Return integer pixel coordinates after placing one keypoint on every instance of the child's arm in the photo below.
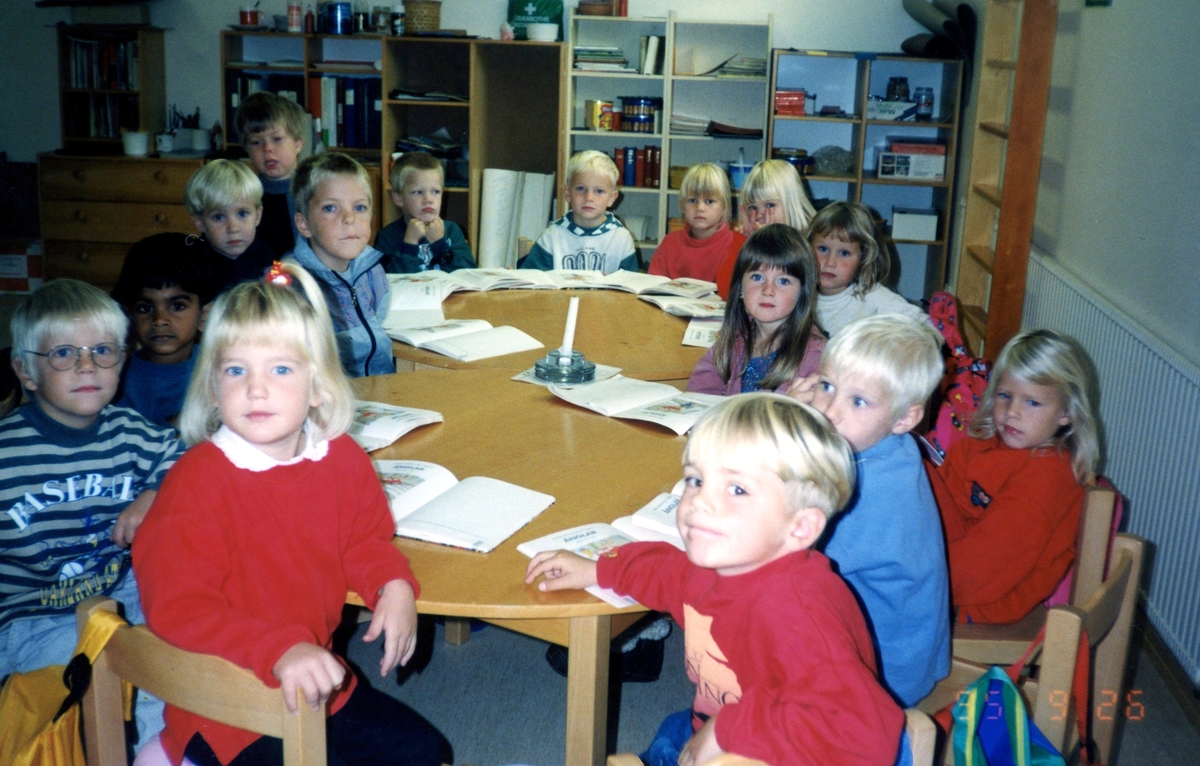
(538, 257)
(630, 261)
(396, 618)
(449, 246)
(415, 231)
(562, 570)
(704, 378)
(131, 518)
(167, 450)
(702, 747)
(310, 669)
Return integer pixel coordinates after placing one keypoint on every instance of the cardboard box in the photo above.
(927, 167)
(20, 268)
(914, 223)
(892, 110)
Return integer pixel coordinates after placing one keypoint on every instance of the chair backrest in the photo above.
(203, 684)
(1092, 546)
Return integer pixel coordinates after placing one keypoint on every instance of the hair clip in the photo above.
(277, 276)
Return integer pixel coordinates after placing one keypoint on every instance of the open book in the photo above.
(466, 340)
(701, 332)
(471, 280)
(711, 307)
(655, 521)
(622, 397)
(478, 513)
(376, 425)
(589, 541)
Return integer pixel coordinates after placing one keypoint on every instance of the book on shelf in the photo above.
(721, 130)
(467, 340)
(711, 307)
(429, 503)
(639, 167)
(102, 64)
(377, 425)
(650, 61)
(626, 398)
(701, 333)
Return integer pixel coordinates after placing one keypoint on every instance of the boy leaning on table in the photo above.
(774, 640)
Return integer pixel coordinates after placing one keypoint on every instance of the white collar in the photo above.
(245, 455)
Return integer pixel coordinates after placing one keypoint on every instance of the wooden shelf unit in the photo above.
(850, 80)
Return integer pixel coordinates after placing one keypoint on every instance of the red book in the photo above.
(639, 167)
(314, 97)
(619, 159)
(652, 171)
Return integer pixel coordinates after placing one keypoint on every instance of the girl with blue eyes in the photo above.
(769, 337)
(1011, 496)
(333, 215)
(259, 531)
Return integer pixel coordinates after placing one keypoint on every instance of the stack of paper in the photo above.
(688, 125)
(601, 58)
(743, 66)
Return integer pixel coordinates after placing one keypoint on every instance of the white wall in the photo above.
(29, 120)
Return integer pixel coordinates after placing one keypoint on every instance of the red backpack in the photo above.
(966, 378)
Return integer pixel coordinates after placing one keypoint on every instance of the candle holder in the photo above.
(552, 369)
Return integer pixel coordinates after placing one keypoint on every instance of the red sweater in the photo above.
(781, 655)
(681, 255)
(245, 564)
(1011, 518)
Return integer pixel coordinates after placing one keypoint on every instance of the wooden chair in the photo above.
(921, 733)
(201, 683)
(1004, 644)
(1107, 618)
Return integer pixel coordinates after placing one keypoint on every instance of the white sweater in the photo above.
(836, 311)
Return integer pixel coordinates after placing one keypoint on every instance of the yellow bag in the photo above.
(39, 710)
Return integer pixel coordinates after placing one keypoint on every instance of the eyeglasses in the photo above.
(63, 358)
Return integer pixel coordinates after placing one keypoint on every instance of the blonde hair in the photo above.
(793, 441)
(318, 169)
(410, 163)
(853, 222)
(705, 179)
(901, 352)
(57, 306)
(221, 183)
(263, 111)
(1045, 358)
(264, 313)
(592, 161)
(777, 179)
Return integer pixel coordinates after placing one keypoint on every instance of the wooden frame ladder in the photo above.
(1006, 157)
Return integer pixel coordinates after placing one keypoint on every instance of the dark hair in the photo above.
(264, 111)
(776, 246)
(165, 260)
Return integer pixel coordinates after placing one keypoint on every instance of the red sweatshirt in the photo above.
(780, 655)
(681, 255)
(1011, 519)
(246, 564)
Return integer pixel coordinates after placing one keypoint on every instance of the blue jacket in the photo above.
(888, 546)
(358, 302)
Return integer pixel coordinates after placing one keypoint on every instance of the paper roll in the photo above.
(501, 190)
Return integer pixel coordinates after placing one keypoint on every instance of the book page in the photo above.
(420, 336)
(659, 514)
(376, 425)
(683, 286)
(575, 279)
(701, 333)
(409, 484)
(679, 413)
(486, 279)
(626, 526)
(630, 281)
(477, 514)
(710, 308)
(615, 395)
(485, 344)
(589, 541)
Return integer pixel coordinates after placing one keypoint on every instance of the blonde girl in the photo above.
(706, 241)
(269, 519)
(1011, 496)
(772, 193)
(769, 337)
(853, 268)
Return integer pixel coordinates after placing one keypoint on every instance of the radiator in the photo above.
(1150, 410)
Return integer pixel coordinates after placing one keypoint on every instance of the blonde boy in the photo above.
(774, 641)
(224, 199)
(707, 242)
(333, 215)
(421, 240)
(589, 237)
(272, 130)
(876, 376)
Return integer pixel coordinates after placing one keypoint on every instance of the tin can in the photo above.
(598, 115)
(924, 99)
(341, 19)
(295, 18)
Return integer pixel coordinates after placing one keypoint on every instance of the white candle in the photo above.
(564, 353)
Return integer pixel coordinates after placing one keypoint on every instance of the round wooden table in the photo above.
(597, 469)
(614, 328)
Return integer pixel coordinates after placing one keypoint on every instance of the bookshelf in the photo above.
(110, 78)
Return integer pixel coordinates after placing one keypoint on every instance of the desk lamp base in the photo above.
(550, 369)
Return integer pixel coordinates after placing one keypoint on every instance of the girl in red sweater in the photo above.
(258, 532)
(1011, 496)
(707, 241)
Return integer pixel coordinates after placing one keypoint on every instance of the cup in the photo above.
(200, 140)
(136, 144)
(165, 143)
(737, 174)
(250, 16)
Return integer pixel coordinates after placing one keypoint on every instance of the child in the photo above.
(420, 240)
(708, 241)
(769, 337)
(1011, 496)
(333, 213)
(224, 199)
(266, 523)
(771, 193)
(589, 237)
(773, 639)
(876, 376)
(77, 476)
(853, 268)
(166, 285)
(272, 130)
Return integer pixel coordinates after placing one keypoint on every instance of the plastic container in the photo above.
(136, 144)
(542, 33)
(737, 174)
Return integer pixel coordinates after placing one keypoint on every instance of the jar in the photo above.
(381, 19)
(640, 114)
(924, 99)
(897, 89)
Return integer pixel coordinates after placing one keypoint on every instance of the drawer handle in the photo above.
(78, 175)
(81, 216)
(160, 176)
(159, 220)
(84, 255)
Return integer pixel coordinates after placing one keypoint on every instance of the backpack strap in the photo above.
(77, 676)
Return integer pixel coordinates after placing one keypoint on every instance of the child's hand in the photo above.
(563, 570)
(751, 222)
(308, 668)
(414, 232)
(805, 389)
(396, 618)
(702, 747)
(131, 518)
(435, 229)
